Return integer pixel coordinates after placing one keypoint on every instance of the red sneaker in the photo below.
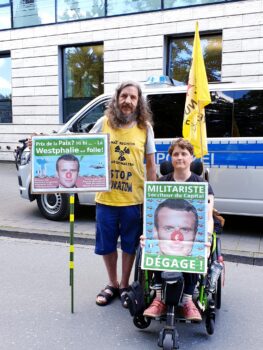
(190, 311)
(156, 309)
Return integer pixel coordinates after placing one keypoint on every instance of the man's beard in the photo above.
(125, 119)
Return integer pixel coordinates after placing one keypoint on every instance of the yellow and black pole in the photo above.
(71, 249)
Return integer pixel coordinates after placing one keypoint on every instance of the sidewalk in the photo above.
(242, 240)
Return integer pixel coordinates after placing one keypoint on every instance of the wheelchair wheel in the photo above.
(168, 343)
(139, 274)
(141, 322)
(217, 295)
(210, 325)
(137, 267)
(143, 277)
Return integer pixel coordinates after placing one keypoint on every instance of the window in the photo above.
(25, 13)
(168, 113)
(118, 7)
(5, 89)
(82, 77)
(5, 14)
(69, 10)
(180, 56)
(183, 3)
(230, 114)
(33, 12)
(219, 114)
(248, 111)
(90, 117)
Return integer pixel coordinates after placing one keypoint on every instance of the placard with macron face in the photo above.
(175, 226)
(70, 163)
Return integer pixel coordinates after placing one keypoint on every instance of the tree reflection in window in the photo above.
(69, 10)
(180, 56)
(33, 12)
(119, 7)
(185, 3)
(83, 76)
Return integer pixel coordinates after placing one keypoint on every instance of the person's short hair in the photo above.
(178, 205)
(67, 157)
(183, 144)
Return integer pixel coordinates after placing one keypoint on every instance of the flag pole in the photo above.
(71, 249)
(201, 142)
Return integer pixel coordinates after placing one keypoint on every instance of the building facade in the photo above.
(55, 60)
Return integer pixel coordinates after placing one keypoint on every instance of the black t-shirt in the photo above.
(192, 178)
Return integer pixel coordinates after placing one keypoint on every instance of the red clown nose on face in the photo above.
(68, 175)
(177, 235)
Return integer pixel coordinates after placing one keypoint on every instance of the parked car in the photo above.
(235, 143)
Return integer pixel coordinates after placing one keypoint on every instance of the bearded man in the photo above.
(119, 212)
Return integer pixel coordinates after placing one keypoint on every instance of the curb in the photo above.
(46, 237)
(236, 257)
(243, 259)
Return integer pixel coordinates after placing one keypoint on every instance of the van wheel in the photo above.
(54, 206)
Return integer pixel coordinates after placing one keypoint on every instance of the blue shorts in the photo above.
(114, 222)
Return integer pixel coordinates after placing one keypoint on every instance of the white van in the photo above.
(235, 142)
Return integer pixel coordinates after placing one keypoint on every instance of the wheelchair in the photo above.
(207, 294)
(143, 291)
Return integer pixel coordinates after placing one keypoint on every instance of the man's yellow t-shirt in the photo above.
(127, 152)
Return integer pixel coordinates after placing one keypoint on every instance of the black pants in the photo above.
(190, 281)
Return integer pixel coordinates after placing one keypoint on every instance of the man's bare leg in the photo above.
(127, 262)
(110, 261)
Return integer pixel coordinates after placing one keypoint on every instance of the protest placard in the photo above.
(175, 226)
(70, 163)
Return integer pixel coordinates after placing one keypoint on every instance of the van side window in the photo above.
(168, 112)
(90, 117)
(218, 114)
(248, 111)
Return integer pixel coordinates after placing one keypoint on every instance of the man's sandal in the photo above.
(108, 293)
(123, 292)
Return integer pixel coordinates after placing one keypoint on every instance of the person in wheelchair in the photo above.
(181, 152)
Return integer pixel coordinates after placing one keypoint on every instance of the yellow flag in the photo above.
(197, 97)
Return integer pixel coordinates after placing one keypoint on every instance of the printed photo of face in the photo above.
(176, 229)
(67, 172)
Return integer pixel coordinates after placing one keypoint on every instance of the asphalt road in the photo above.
(36, 314)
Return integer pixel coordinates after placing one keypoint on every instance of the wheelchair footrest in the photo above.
(183, 320)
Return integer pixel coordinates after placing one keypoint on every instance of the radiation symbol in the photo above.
(122, 152)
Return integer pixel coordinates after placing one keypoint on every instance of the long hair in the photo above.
(144, 114)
